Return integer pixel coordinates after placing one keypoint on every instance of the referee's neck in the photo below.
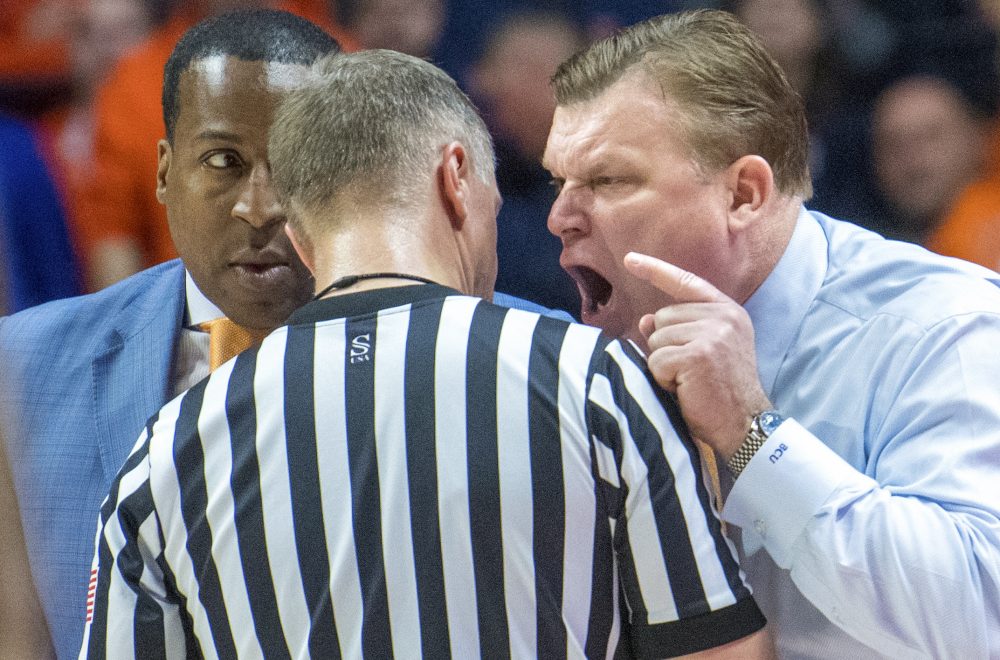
(428, 242)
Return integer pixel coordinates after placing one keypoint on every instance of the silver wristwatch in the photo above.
(762, 426)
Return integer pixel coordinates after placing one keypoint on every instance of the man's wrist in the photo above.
(762, 425)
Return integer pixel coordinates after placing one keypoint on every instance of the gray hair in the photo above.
(371, 122)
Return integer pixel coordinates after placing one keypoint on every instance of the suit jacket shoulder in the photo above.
(61, 355)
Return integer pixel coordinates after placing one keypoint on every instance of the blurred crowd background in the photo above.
(902, 99)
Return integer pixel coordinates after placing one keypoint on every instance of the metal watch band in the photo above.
(755, 438)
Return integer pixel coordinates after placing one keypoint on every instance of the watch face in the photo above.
(770, 421)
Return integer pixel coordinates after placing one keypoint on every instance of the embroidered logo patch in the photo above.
(360, 346)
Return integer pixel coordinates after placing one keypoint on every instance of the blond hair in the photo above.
(732, 97)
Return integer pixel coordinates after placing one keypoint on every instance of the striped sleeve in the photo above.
(129, 610)
(679, 576)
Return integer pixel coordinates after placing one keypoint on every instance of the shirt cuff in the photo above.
(783, 487)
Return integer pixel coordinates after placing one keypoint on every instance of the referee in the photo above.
(406, 469)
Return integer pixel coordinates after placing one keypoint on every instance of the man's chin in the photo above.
(615, 325)
(266, 314)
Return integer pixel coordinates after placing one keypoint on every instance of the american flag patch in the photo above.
(91, 594)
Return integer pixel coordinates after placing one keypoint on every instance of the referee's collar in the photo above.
(367, 302)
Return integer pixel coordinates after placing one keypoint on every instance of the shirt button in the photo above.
(761, 528)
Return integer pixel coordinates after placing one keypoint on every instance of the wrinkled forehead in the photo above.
(626, 116)
(577, 131)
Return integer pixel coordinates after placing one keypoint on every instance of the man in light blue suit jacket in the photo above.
(81, 376)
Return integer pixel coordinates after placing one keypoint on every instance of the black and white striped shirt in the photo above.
(411, 472)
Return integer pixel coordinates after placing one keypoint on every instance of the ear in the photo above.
(455, 172)
(751, 185)
(163, 155)
(302, 246)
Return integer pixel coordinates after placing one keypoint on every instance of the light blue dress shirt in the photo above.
(870, 521)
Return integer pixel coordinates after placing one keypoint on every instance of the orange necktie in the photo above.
(712, 467)
(228, 339)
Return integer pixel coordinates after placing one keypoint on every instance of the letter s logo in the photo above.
(360, 347)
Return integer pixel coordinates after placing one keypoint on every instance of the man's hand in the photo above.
(701, 348)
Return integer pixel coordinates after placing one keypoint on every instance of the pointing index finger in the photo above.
(679, 284)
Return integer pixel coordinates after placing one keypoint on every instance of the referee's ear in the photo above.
(302, 247)
(455, 170)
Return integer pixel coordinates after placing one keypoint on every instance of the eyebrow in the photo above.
(213, 134)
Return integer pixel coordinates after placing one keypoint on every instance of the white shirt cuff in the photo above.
(783, 487)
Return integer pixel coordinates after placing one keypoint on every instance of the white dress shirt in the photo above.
(191, 360)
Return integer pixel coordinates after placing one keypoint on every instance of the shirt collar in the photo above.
(779, 305)
(367, 302)
(199, 308)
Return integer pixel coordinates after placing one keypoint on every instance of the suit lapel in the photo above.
(131, 377)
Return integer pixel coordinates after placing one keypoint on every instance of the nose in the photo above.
(567, 218)
(258, 204)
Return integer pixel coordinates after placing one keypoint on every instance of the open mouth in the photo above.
(595, 291)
